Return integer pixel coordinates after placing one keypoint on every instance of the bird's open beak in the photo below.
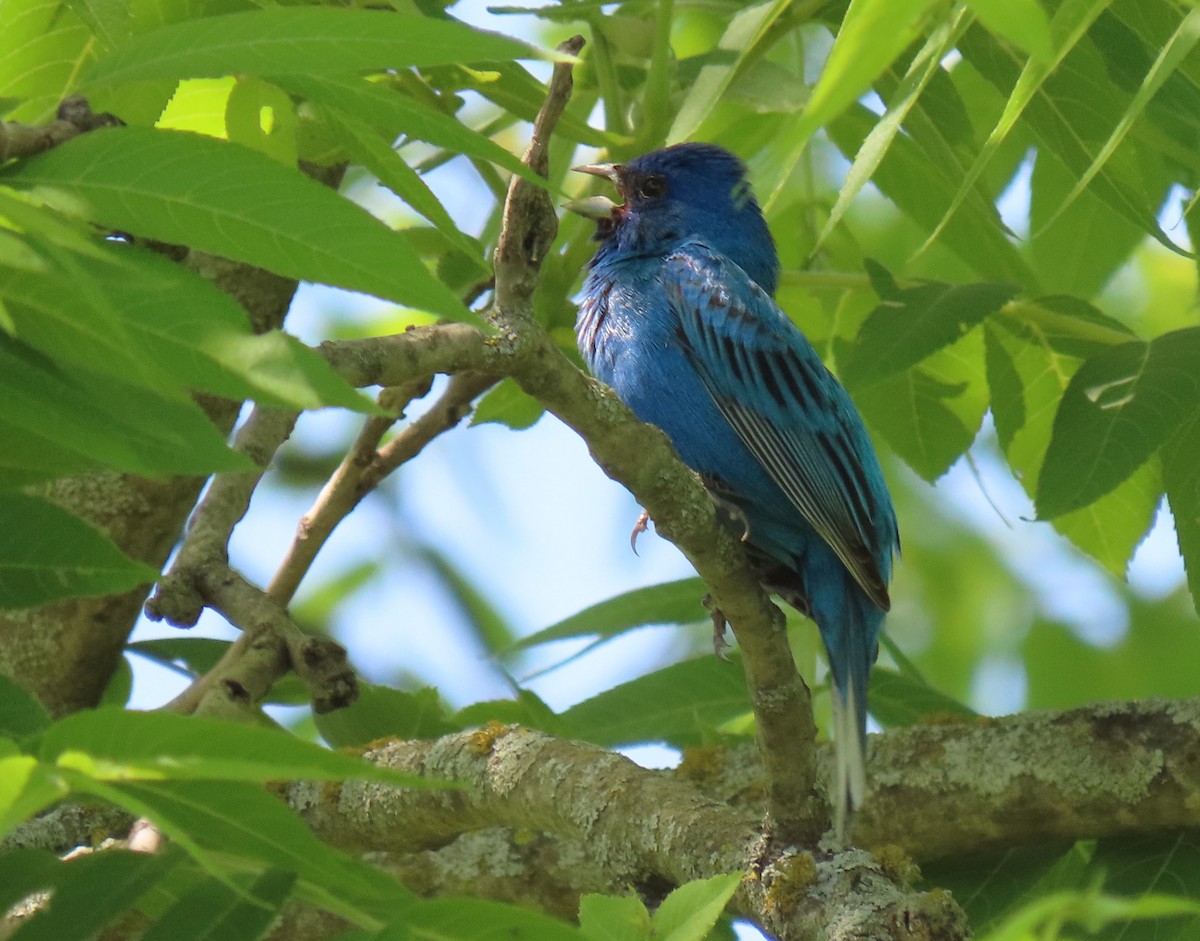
(597, 207)
(592, 207)
(606, 171)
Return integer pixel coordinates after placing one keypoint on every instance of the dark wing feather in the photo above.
(786, 407)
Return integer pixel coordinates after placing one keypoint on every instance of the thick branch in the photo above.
(641, 825)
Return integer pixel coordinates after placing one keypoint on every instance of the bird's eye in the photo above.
(652, 186)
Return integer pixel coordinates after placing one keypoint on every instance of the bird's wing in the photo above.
(786, 407)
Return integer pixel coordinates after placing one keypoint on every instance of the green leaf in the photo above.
(614, 917)
(1069, 26)
(1022, 22)
(220, 821)
(1043, 342)
(670, 603)
(380, 712)
(179, 329)
(915, 322)
(1133, 181)
(393, 114)
(298, 39)
(25, 871)
(58, 422)
(1153, 872)
(250, 209)
(109, 20)
(690, 911)
(1112, 527)
(110, 743)
(21, 715)
(921, 189)
(1181, 476)
(914, 413)
(1132, 668)
(46, 554)
(526, 709)
(212, 911)
(1005, 388)
(1169, 59)
(370, 150)
(92, 890)
(989, 887)
(1119, 407)
(745, 31)
(119, 686)
(925, 65)
(508, 404)
(898, 700)
(872, 34)
(26, 788)
(44, 48)
(682, 704)
(467, 919)
(261, 116)
(1085, 244)
(192, 655)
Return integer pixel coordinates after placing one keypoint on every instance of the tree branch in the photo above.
(1108, 770)
(642, 826)
(74, 117)
(367, 465)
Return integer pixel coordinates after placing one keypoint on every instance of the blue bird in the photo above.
(677, 316)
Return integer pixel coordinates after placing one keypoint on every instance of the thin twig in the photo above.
(74, 117)
(341, 492)
(177, 598)
(271, 643)
(362, 470)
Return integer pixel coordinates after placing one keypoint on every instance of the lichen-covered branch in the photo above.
(642, 826)
(938, 791)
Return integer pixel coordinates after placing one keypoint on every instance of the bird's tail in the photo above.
(851, 639)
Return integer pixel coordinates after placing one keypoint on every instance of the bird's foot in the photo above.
(719, 622)
(642, 524)
(732, 514)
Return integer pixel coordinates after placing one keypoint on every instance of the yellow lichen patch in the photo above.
(946, 718)
(896, 864)
(376, 743)
(702, 762)
(792, 877)
(331, 791)
(482, 740)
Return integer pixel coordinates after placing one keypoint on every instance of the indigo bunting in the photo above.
(677, 316)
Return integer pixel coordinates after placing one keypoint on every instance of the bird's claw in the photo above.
(642, 524)
(719, 622)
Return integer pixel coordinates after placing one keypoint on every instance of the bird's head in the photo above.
(679, 193)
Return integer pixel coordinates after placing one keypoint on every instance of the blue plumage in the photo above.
(677, 317)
